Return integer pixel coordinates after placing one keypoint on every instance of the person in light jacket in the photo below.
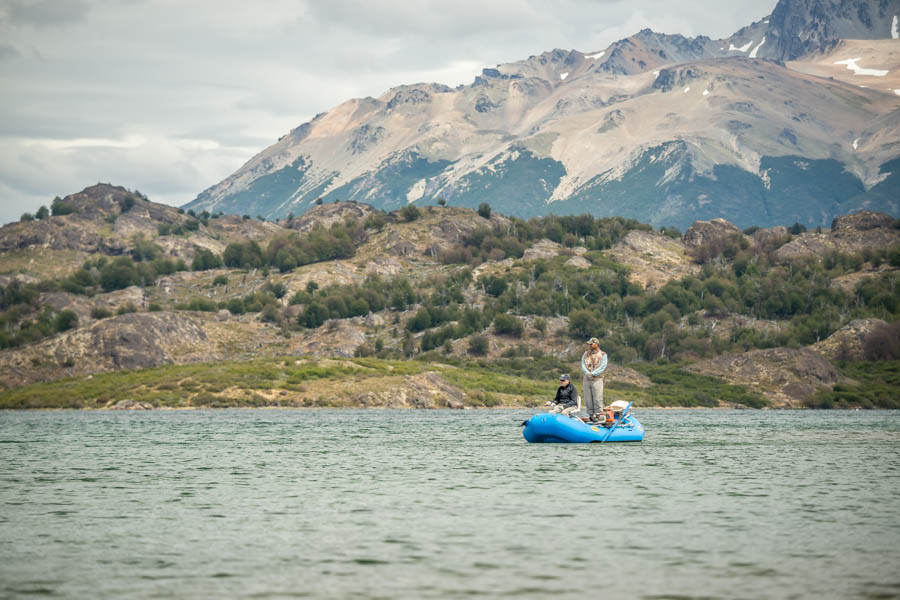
(593, 364)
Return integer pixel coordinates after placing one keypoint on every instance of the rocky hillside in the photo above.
(717, 316)
(794, 118)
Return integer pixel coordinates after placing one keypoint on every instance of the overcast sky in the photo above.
(171, 96)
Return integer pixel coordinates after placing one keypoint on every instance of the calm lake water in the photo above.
(441, 504)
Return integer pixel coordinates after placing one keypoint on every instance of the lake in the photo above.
(444, 504)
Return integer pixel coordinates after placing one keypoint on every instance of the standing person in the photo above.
(593, 363)
(566, 400)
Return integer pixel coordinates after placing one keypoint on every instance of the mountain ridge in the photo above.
(553, 132)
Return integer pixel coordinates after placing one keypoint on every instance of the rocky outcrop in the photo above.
(771, 237)
(337, 337)
(578, 262)
(542, 249)
(863, 220)
(427, 390)
(705, 232)
(786, 376)
(849, 281)
(131, 405)
(800, 27)
(652, 258)
(849, 234)
(326, 215)
(130, 341)
(847, 342)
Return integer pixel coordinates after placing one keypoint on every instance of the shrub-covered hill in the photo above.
(134, 285)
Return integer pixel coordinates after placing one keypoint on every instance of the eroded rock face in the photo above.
(847, 342)
(785, 376)
(850, 234)
(337, 337)
(863, 220)
(703, 232)
(130, 341)
(652, 258)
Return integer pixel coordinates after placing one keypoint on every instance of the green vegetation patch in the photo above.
(673, 386)
(874, 385)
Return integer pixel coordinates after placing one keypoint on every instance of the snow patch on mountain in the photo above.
(851, 64)
(564, 75)
(706, 92)
(856, 143)
(755, 50)
(687, 89)
(894, 33)
(416, 191)
(600, 54)
(744, 48)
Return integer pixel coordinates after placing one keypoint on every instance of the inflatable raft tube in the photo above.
(560, 429)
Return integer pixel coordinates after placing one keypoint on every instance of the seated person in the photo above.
(566, 400)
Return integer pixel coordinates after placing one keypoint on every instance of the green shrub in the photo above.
(127, 308)
(99, 312)
(58, 207)
(505, 324)
(65, 320)
(478, 345)
(410, 213)
(204, 260)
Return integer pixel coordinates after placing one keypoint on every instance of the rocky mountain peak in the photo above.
(801, 27)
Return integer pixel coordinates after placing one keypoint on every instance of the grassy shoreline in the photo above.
(292, 382)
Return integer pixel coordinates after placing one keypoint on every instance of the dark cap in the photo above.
(564, 377)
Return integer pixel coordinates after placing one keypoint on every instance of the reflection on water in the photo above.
(388, 504)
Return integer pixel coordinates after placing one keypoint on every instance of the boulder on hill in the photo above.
(704, 232)
(786, 376)
(847, 342)
(326, 215)
(863, 220)
(771, 236)
(542, 249)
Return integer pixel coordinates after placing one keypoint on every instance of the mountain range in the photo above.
(793, 118)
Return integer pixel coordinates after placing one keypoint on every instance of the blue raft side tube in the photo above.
(555, 428)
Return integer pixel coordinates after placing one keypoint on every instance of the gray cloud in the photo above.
(44, 13)
(171, 98)
(8, 52)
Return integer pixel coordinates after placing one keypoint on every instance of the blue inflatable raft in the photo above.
(556, 428)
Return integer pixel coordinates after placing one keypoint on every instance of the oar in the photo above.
(616, 424)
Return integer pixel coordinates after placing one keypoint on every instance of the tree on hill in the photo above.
(204, 260)
(58, 207)
(42, 213)
(410, 213)
(484, 209)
